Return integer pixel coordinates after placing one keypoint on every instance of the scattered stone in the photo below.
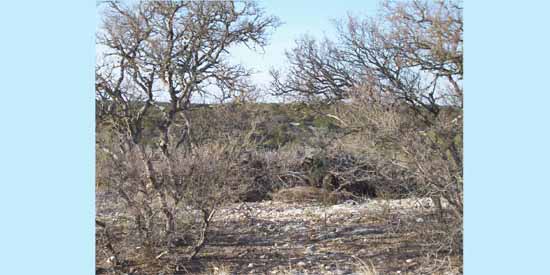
(310, 249)
(351, 202)
(284, 224)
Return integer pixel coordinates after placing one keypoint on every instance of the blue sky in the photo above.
(299, 17)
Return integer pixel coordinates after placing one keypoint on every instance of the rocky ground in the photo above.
(386, 236)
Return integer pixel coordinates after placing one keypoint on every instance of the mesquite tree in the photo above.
(155, 57)
(317, 69)
(407, 58)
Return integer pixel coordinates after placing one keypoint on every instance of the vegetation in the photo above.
(377, 114)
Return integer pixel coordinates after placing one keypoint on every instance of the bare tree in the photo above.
(156, 56)
(317, 69)
(413, 50)
(403, 79)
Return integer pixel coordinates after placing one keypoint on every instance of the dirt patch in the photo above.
(309, 194)
(310, 238)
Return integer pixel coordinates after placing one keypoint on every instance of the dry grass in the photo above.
(302, 194)
(218, 269)
(363, 268)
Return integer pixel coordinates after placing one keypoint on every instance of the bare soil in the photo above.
(271, 237)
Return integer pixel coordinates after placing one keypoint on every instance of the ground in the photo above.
(389, 236)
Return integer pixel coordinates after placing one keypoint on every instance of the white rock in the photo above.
(310, 249)
(111, 259)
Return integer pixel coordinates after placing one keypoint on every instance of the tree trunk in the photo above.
(207, 217)
(159, 189)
